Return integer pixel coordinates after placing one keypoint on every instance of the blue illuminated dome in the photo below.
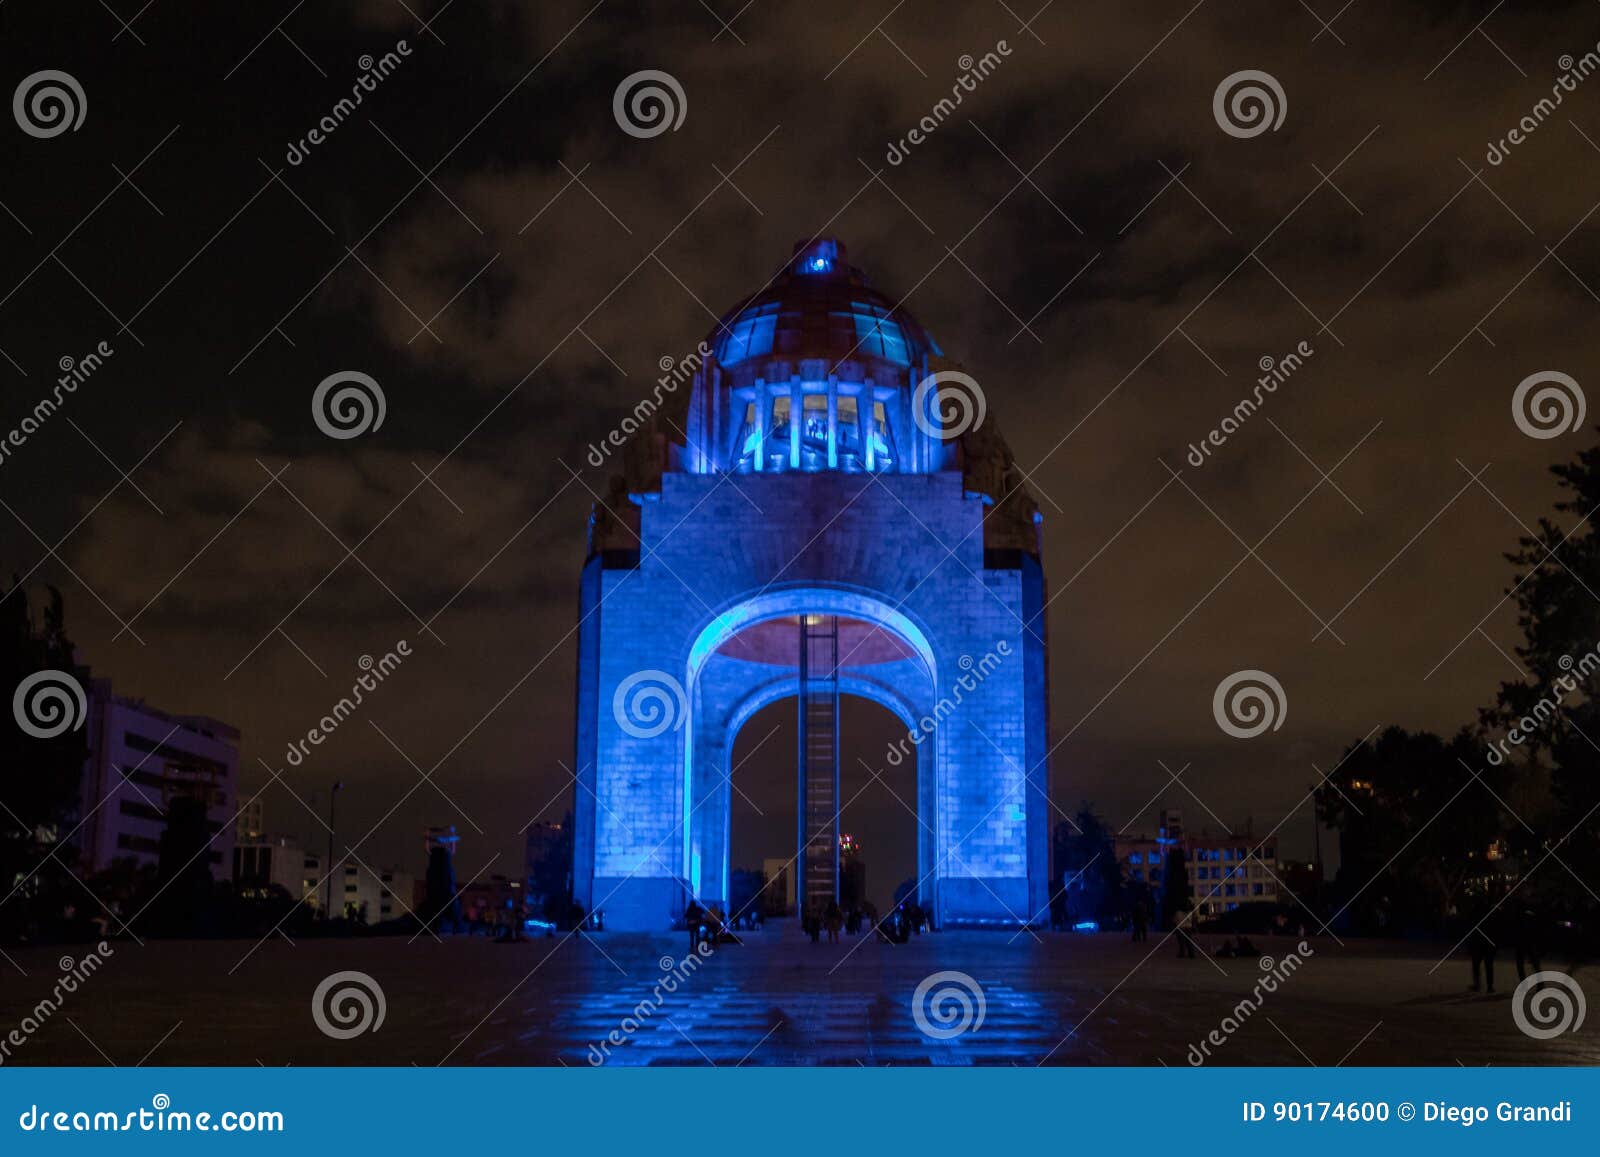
(821, 307)
(819, 342)
(817, 373)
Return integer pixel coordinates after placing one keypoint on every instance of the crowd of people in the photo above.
(1482, 925)
(1487, 926)
(1491, 922)
(708, 924)
(904, 920)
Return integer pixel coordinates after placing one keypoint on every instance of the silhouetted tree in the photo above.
(1088, 873)
(1176, 896)
(183, 870)
(1417, 817)
(1557, 788)
(441, 909)
(39, 778)
(1526, 779)
(550, 876)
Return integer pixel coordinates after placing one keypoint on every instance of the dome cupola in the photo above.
(813, 372)
(816, 373)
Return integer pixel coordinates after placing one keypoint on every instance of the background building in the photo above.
(373, 895)
(852, 873)
(497, 900)
(777, 895)
(1224, 870)
(251, 823)
(140, 760)
(548, 863)
(260, 862)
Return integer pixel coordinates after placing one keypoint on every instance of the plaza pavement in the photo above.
(776, 999)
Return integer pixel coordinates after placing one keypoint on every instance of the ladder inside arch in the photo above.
(819, 762)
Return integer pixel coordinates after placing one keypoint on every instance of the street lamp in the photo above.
(333, 798)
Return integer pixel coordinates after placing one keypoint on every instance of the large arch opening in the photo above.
(817, 650)
(879, 822)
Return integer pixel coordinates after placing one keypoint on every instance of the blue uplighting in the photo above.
(750, 335)
(818, 257)
(1086, 926)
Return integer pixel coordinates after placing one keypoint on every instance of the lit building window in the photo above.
(750, 335)
(849, 430)
(836, 430)
(778, 434)
(879, 335)
(880, 445)
(814, 431)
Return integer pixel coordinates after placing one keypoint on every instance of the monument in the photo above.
(825, 509)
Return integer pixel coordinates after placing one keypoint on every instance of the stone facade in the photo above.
(689, 551)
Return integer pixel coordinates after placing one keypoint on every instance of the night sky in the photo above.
(482, 239)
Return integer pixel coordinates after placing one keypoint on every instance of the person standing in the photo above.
(1185, 940)
(692, 916)
(1526, 938)
(1480, 944)
(833, 918)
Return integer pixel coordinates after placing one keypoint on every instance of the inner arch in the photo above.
(748, 656)
(879, 808)
(815, 600)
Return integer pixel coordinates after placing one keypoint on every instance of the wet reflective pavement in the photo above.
(778, 999)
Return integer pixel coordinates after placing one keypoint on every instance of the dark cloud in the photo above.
(556, 260)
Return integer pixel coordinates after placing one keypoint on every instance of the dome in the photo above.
(814, 372)
(821, 307)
